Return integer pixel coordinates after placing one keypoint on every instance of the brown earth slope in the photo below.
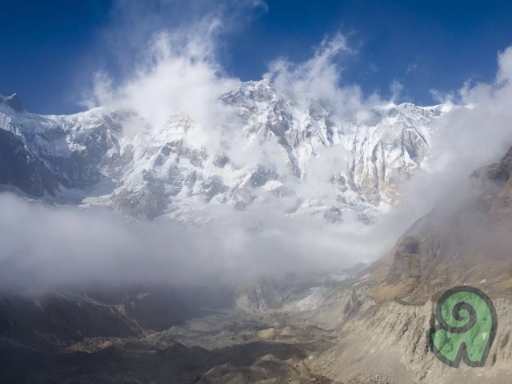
(380, 317)
(470, 243)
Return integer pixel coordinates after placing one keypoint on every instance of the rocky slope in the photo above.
(381, 316)
(457, 243)
(93, 158)
(155, 334)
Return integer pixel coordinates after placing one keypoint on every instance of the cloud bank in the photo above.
(476, 132)
(55, 247)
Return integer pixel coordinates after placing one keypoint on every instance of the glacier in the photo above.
(301, 159)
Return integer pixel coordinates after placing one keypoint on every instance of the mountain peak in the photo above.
(13, 101)
(175, 174)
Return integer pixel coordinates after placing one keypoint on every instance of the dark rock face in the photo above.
(38, 160)
(144, 204)
(406, 263)
(82, 167)
(486, 183)
(21, 169)
(220, 161)
(333, 214)
(213, 186)
(261, 175)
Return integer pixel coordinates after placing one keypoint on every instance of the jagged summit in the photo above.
(13, 101)
(168, 170)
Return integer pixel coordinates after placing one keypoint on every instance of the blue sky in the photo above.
(50, 50)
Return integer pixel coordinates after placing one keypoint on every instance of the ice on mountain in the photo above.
(329, 165)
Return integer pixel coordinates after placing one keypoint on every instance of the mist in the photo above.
(48, 247)
(477, 132)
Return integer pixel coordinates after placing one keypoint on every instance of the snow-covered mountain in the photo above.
(305, 157)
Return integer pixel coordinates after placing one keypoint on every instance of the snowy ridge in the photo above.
(306, 157)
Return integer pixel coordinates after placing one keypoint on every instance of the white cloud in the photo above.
(411, 68)
(479, 130)
(396, 89)
(50, 248)
(179, 74)
(476, 132)
(316, 78)
(319, 78)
